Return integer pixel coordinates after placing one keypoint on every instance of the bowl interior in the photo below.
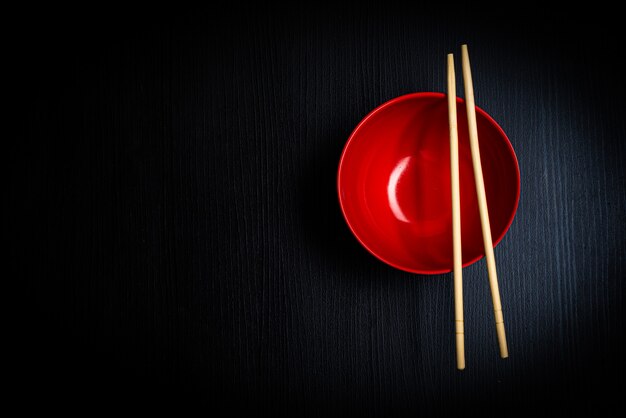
(394, 183)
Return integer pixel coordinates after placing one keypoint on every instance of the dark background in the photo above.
(178, 237)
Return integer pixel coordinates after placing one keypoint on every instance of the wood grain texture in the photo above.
(181, 168)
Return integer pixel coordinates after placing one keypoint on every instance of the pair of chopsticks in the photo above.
(482, 207)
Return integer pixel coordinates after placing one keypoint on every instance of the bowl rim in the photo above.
(421, 95)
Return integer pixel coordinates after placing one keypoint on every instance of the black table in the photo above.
(185, 249)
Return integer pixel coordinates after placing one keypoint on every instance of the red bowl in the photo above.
(394, 183)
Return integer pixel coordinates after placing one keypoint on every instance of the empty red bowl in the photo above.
(394, 183)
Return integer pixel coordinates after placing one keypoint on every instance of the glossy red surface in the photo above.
(394, 183)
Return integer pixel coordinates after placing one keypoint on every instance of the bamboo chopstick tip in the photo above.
(451, 65)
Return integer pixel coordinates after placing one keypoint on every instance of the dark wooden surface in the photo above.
(184, 246)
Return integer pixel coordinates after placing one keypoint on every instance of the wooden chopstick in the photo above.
(456, 217)
(482, 201)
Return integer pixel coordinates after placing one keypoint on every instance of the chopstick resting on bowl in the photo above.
(482, 201)
(456, 217)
